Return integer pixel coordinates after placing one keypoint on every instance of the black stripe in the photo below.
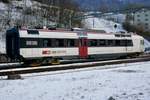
(59, 43)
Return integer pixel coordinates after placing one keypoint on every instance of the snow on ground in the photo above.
(130, 82)
(102, 24)
(120, 18)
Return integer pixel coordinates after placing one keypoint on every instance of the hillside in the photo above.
(37, 13)
(102, 24)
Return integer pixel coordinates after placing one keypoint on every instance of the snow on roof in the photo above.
(142, 10)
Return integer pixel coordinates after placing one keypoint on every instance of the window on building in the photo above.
(138, 20)
(146, 27)
(138, 15)
(146, 24)
(146, 15)
(146, 19)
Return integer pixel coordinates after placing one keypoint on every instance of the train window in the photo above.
(89, 43)
(93, 43)
(117, 43)
(47, 43)
(60, 43)
(33, 31)
(122, 42)
(70, 43)
(110, 42)
(31, 43)
(129, 42)
(102, 42)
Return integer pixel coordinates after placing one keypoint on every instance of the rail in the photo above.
(8, 65)
(14, 71)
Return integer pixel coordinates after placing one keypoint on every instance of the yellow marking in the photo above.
(55, 62)
(35, 64)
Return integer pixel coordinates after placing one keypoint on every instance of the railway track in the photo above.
(28, 70)
(10, 65)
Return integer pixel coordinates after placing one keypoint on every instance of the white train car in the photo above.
(46, 45)
(115, 44)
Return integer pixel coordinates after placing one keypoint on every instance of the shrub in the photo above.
(5, 1)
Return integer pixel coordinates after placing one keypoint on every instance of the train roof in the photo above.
(65, 33)
(60, 30)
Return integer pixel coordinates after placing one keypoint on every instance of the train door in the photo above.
(83, 48)
(12, 43)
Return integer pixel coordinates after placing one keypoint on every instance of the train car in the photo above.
(49, 46)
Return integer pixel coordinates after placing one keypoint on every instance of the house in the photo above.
(142, 19)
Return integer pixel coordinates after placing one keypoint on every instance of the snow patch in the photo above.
(3, 6)
(102, 24)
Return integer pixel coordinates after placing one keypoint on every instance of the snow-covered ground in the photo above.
(120, 18)
(129, 82)
(102, 24)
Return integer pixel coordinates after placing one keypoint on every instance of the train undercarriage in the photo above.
(57, 60)
(33, 62)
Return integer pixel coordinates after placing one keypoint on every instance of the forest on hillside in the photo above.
(61, 13)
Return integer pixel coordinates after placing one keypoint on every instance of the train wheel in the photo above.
(55, 61)
(36, 63)
(3, 58)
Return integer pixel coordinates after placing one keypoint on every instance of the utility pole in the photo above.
(93, 22)
(24, 16)
(8, 22)
(70, 21)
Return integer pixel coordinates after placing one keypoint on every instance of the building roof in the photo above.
(142, 10)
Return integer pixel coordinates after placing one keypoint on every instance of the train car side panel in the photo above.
(48, 52)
